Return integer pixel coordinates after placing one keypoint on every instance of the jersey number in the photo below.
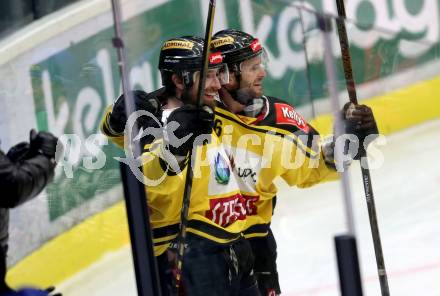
(218, 127)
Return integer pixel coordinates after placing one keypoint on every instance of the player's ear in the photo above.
(178, 82)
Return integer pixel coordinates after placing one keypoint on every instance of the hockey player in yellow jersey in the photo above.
(221, 201)
(233, 175)
(217, 259)
(244, 96)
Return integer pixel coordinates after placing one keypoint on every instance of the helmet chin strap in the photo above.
(186, 97)
(188, 78)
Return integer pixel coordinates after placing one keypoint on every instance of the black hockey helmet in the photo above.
(184, 55)
(236, 46)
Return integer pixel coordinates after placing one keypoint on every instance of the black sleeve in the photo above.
(23, 180)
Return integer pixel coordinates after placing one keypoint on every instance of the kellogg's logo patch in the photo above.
(215, 58)
(287, 115)
(255, 45)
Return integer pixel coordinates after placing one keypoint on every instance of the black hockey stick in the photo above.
(144, 262)
(366, 178)
(189, 172)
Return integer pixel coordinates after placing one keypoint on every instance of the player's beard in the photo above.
(244, 95)
(189, 97)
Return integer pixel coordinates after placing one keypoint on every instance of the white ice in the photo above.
(407, 196)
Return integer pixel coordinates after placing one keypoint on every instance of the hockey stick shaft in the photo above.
(345, 51)
(366, 178)
(144, 262)
(189, 172)
(206, 51)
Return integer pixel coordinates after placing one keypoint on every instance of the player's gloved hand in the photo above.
(43, 143)
(18, 152)
(359, 121)
(117, 118)
(185, 124)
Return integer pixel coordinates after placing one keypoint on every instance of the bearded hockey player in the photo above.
(246, 60)
(224, 198)
(217, 260)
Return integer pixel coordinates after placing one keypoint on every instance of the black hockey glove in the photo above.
(185, 124)
(359, 121)
(43, 143)
(19, 152)
(117, 118)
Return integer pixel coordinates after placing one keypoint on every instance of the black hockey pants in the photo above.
(213, 269)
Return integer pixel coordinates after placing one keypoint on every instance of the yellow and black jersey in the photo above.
(217, 208)
(233, 189)
(281, 119)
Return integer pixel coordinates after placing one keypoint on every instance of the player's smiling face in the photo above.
(212, 85)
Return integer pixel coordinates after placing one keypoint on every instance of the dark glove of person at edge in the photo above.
(40, 143)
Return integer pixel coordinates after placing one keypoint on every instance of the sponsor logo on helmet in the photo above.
(287, 115)
(256, 45)
(177, 44)
(171, 61)
(222, 41)
(215, 58)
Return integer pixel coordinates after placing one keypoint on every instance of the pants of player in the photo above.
(213, 269)
(3, 268)
(265, 267)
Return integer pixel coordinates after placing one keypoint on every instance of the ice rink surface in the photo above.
(407, 195)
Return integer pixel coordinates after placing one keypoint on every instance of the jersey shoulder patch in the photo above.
(286, 114)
